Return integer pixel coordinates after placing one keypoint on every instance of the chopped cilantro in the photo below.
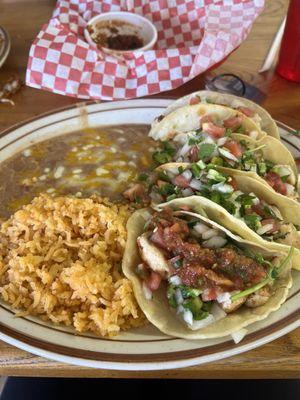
(253, 221)
(171, 296)
(228, 132)
(164, 155)
(171, 197)
(206, 150)
(196, 170)
(138, 200)
(163, 176)
(245, 199)
(180, 169)
(215, 197)
(187, 292)
(166, 189)
(143, 177)
(240, 129)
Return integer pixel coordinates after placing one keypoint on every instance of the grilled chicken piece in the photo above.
(152, 256)
(258, 298)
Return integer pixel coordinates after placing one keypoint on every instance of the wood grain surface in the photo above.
(23, 19)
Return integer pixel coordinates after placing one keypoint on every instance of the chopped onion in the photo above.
(172, 171)
(283, 171)
(188, 317)
(187, 192)
(147, 292)
(202, 323)
(215, 242)
(208, 139)
(227, 154)
(201, 228)
(289, 189)
(180, 309)
(217, 311)
(224, 298)
(276, 212)
(187, 174)
(264, 229)
(196, 184)
(239, 335)
(180, 138)
(178, 296)
(253, 135)
(210, 233)
(175, 280)
(222, 187)
(221, 141)
(184, 150)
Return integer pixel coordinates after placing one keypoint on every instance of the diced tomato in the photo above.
(257, 209)
(194, 100)
(193, 154)
(275, 182)
(213, 130)
(234, 147)
(181, 181)
(271, 221)
(154, 280)
(209, 294)
(233, 183)
(246, 111)
(233, 122)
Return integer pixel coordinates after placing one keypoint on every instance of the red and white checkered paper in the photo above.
(193, 35)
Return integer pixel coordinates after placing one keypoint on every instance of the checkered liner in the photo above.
(193, 35)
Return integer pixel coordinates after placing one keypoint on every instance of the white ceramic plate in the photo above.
(143, 348)
(4, 45)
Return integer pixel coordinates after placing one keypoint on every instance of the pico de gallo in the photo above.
(202, 180)
(207, 274)
(215, 145)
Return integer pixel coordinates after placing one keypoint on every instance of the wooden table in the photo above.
(23, 19)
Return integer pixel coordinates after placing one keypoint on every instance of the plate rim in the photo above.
(139, 365)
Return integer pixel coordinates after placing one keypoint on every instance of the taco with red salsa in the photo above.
(195, 279)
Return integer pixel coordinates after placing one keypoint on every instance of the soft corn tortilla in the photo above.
(161, 315)
(262, 118)
(186, 119)
(217, 213)
(274, 150)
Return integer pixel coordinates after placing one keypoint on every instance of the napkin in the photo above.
(193, 36)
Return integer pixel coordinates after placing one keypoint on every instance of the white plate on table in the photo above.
(144, 348)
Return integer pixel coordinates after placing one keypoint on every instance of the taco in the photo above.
(194, 279)
(252, 110)
(214, 120)
(249, 208)
(266, 159)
